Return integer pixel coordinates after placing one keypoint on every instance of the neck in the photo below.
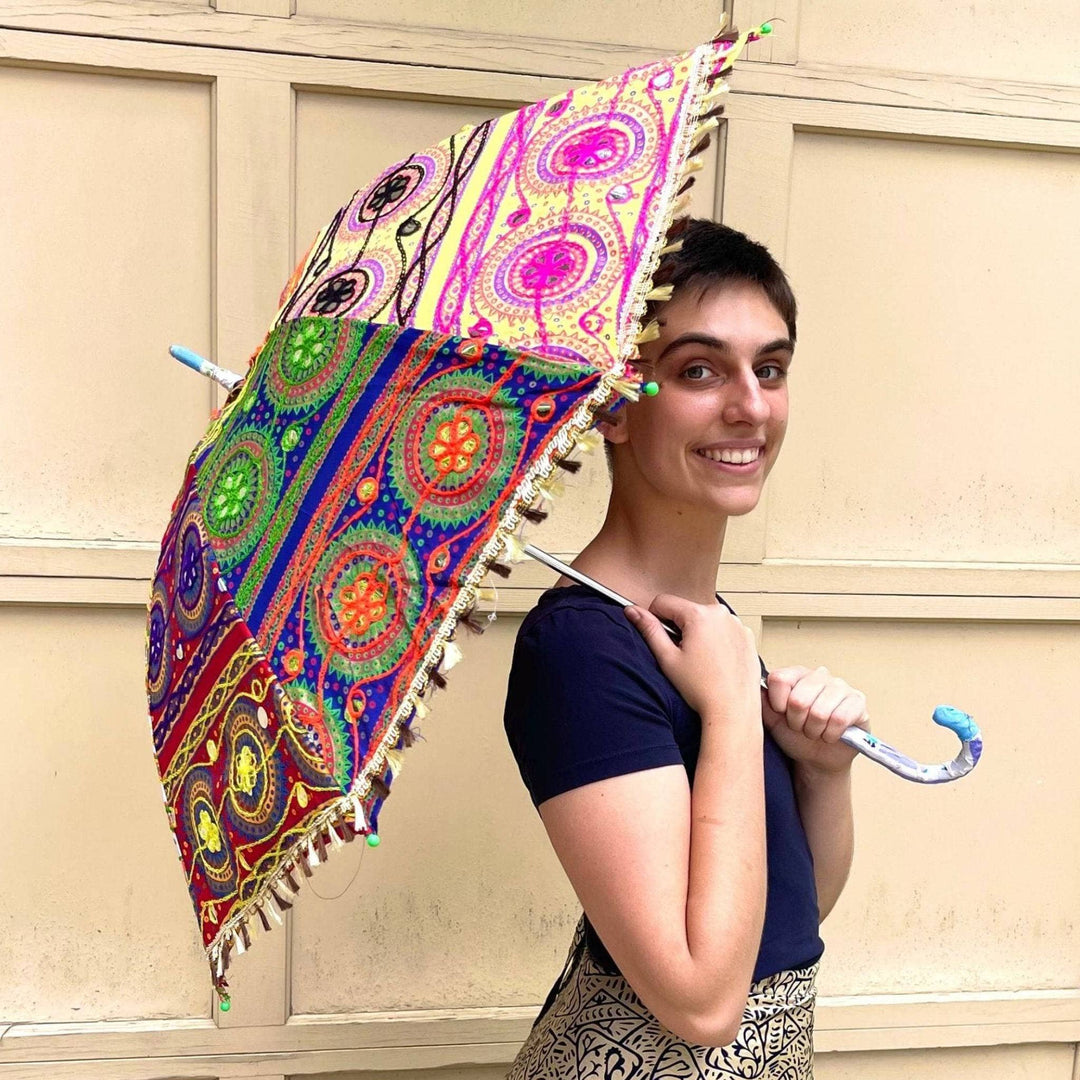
(642, 551)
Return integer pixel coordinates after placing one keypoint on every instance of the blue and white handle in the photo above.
(229, 379)
(955, 720)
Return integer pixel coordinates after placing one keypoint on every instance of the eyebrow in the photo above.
(779, 345)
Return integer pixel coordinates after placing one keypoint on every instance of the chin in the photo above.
(738, 504)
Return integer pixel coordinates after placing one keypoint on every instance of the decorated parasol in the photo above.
(445, 346)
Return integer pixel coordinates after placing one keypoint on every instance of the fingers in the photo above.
(827, 718)
(653, 631)
(851, 712)
(820, 713)
(679, 612)
(687, 615)
(714, 666)
(781, 681)
(816, 704)
(674, 608)
(801, 701)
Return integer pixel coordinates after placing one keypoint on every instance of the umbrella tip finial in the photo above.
(229, 379)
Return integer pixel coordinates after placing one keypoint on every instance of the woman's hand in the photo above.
(715, 667)
(807, 711)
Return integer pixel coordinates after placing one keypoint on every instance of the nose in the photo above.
(744, 400)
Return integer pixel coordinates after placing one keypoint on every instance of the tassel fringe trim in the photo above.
(707, 86)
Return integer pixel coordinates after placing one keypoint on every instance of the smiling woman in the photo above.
(705, 827)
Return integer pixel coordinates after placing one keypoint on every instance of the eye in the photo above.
(702, 372)
(772, 372)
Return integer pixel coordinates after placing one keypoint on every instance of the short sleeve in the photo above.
(585, 701)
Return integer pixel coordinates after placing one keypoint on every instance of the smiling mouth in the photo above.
(748, 456)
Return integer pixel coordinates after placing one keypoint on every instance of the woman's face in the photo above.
(721, 362)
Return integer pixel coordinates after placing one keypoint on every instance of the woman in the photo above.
(705, 825)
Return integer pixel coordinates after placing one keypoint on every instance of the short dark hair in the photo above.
(713, 254)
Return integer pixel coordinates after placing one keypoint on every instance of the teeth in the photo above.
(733, 457)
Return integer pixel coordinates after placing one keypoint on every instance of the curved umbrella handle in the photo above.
(954, 719)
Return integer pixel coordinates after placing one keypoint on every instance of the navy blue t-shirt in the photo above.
(587, 700)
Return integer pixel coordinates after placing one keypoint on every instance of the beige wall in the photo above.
(916, 168)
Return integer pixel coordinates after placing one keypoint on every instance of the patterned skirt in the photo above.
(594, 1027)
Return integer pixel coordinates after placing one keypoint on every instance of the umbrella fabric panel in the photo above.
(241, 779)
(533, 229)
(333, 517)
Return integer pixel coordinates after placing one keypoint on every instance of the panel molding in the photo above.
(135, 561)
(120, 576)
(760, 131)
(909, 90)
(175, 23)
(143, 59)
(252, 204)
(135, 22)
(892, 121)
(310, 1044)
(277, 9)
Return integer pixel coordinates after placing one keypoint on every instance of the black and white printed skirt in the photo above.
(594, 1027)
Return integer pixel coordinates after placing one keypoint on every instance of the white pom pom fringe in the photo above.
(451, 657)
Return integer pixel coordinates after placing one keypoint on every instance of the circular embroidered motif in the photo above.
(455, 448)
(305, 364)
(341, 292)
(591, 148)
(399, 191)
(536, 279)
(360, 604)
(255, 774)
(203, 833)
(241, 483)
(194, 576)
(357, 288)
(552, 267)
(158, 653)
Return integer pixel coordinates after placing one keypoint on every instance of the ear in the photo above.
(614, 431)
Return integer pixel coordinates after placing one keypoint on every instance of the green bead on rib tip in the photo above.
(225, 1005)
(765, 28)
(651, 389)
(373, 840)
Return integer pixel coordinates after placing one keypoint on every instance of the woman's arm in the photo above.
(824, 800)
(807, 711)
(673, 880)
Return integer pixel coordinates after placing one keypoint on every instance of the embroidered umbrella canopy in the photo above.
(444, 345)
